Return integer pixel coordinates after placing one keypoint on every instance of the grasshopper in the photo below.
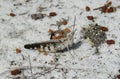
(63, 40)
(53, 45)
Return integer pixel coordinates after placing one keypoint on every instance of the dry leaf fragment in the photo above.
(12, 14)
(107, 8)
(111, 9)
(18, 50)
(65, 22)
(103, 28)
(87, 8)
(109, 42)
(15, 72)
(90, 17)
(52, 14)
(103, 9)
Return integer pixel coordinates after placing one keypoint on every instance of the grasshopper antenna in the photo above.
(73, 32)
(73, 29)
(68, 47)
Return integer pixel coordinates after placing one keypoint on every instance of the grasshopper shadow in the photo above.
(72, 47)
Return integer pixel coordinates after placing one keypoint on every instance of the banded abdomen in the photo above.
(52, 45)
(44, 46)
(49, 46)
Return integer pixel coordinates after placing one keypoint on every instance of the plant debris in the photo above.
(87, 8)
(38, 16)
(103, 28)
(95, 35)
(12, 14)
(109, 42)
(18, 50)
(90, 17)
(107, 8)
(16, 72)
(64, 22)
(51, 14)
